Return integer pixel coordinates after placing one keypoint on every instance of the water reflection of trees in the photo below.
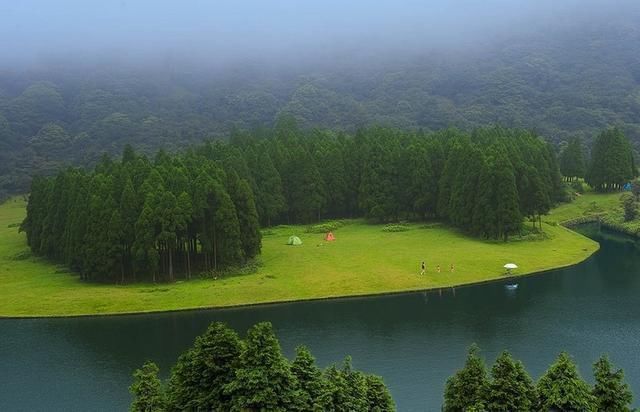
(618, 261)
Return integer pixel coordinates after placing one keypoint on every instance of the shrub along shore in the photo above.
(364, 259)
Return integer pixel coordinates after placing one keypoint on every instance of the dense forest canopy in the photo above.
(569, 80)
(201, 210)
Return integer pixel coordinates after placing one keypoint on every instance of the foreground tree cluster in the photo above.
(508, 387)
(222, 372)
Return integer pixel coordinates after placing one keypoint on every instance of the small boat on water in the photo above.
(511, 286)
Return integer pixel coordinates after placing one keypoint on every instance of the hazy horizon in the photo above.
(276, 33)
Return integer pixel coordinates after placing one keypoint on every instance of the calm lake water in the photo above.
(415, 341)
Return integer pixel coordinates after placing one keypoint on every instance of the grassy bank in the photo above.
(606, 208)
(588, 205)
(363, 260)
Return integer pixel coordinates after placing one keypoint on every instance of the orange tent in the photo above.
(329, 237)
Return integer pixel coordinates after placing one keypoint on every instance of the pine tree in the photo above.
(309, 379)
(234, 161)
(335, 397)
(218, 223)
(377, 188)
(129, 213)
(378, 396)
(243, 201)
(198, 379)
(401, 178)
(610, 391)
(147, 390)
(332, 170)
(507, 213)
(36, 209)
(612, 162)
(97, 261)
(226, 237)
(264, 380)
(307, 189)
(483, 222)
(468, 387)
(184, 216)
(146, 255)
(356, 384)
(353, 151)
(115, 235)
(148, 225)
(464, 188)
(269, 198)
(572, 163)
(561, 388)
(422, 188)
(452, 169)
(553, 175)
(76, 230)
(511, 388)
(167, 216)
(534, 198)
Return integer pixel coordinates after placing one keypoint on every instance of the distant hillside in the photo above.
(562, 82)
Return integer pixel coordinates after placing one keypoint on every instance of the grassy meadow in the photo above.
(590, 203)
(363, 260)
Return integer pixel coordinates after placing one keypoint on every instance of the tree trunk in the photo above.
(215, 252)
(188, 262)
(170, 252)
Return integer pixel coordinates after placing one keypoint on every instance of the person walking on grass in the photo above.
(423, 268)
(452, 268)
(438, 268)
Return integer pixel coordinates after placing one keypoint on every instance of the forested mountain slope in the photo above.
(568, 81)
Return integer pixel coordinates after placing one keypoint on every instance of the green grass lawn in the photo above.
(589, 203)
(363, 260)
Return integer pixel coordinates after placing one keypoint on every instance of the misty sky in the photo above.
(33, 30)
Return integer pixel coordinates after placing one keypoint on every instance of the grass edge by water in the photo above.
(88, 311)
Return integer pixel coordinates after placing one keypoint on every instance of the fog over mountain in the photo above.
(81, 78)
(274, 32)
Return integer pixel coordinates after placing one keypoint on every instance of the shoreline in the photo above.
(564, 225)
(600, 219)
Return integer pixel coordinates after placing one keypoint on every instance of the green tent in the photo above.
(294, 241)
